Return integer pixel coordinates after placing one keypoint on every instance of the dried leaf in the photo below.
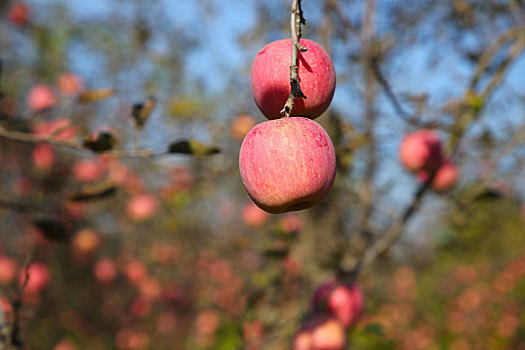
(95, 191)
(192, 147)
(95, 95)
(52, 229)
(141, 111)
(104, 141)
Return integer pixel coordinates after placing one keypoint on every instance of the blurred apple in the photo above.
(345, 302)
(320, 332)
(136, 271)
(39, 278)
(287, 164)
(421, 150)
(291, 223)
(150, 288)
(41, 97)
(85, 243)
(18, 13)
(43, 156)
(105, 270)
(241, 125)
(207, 322)
(65, 344)
(270, 79)
(254, 216)
(141, 207)
(7, 270)
(445, 178)
(88, 170)
(141, 307)
(69, 83)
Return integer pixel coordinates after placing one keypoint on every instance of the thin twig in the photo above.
(30, 138)
(296, 20)
(17, 306)
(392, 234)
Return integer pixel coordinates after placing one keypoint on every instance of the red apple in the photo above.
(41, 97)
(420, 150)
(105, 270)
(446, 176)
(270, 79)
(65, 344)
(287, 164)
(85, 243)
(254, 216)
(88, 170)
(303, 341)
(320, 332)
(136, 271)
(7, 270)
(69, 83)
(43, 156)
(39, 278)
(18, 13)
(345, 302)
(141, 207)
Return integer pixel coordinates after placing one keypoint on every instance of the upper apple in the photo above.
(270, 79)
(287, 164)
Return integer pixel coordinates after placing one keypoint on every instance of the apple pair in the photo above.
(289, 164)
(336, 308)
(421, 152)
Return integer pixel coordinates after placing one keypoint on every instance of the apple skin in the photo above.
(345, 302)
(421, 150)
(270, 79)
(287, 164)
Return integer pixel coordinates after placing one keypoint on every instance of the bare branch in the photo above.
(296, 20)
(30, 138)
(392, 234)
(17, 306)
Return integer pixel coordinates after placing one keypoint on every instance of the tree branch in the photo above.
(17, 306)
(296, 20)
(30, 138)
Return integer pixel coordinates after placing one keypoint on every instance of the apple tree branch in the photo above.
(296, 20)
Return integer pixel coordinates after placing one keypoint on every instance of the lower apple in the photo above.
(287, 164)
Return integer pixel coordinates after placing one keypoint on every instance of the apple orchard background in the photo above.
(132, 247)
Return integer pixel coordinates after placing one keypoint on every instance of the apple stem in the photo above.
(296, 20)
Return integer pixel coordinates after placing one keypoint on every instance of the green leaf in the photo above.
(374, 328)
(95, 95)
